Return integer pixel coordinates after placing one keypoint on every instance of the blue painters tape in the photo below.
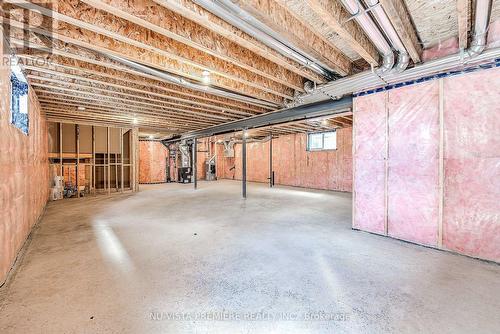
(495, 63)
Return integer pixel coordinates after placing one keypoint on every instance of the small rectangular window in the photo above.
(322, 141)
(19, 115)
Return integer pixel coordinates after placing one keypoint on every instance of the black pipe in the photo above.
(244, 164)
(195, 170)
(271, 161)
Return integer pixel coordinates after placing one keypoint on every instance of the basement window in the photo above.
(19, 116)
(322, 141)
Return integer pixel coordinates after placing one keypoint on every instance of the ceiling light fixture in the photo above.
(206, 77)
(81, 108)
(134, 121)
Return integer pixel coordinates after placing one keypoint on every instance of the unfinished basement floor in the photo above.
(139, 263)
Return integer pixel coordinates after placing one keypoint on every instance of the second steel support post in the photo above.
(244, 164)
(271, 181)
(195, 170)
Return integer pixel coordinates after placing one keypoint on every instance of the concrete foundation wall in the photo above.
(427, 164)
(293, 165)
(152, 161)
(24, 174)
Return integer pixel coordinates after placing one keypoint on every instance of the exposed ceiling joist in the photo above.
(170, 24)
(75, 103)
(279, 19)
(207, 20)
(85, 60)
(464, 8)
(116, 96)
(81, 70)
(335, 16)
(137, 91)
(161, 60)
(80, 15)
(399, 17)
(64, 70)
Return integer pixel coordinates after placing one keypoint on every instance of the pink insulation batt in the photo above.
(413, 179)
(472, 164)
(293, 165)
(369, 146)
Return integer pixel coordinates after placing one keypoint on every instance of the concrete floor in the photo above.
(151, 262)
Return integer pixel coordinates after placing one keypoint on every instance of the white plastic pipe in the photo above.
(383, 20)
(355, 8)
(481, 23)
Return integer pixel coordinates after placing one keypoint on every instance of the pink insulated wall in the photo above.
(24, 173)
(370, 151)
(413, 160)
(472, 164)
(293, 165)
(427, 164)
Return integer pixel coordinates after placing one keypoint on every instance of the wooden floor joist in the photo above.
(74, 104)
(175, 26)
(464, 22)
(77, 15)
(88, 39)
(282, 21)
(120, 98)
(336, 17)
(195, 13)
(139, 91)
(399, 17)
(133, 85)
(71, 55)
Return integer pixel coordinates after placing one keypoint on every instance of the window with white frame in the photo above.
(19, 115)
(322, 141)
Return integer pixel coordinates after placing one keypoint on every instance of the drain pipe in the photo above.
(385, 24)
(356, 9)
(481, 24)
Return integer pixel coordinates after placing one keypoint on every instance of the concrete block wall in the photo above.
(24, 173)
(293, 165)
(427, 164)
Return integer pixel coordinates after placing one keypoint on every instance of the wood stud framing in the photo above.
(106, 164)
(464, 22)
(399, 17)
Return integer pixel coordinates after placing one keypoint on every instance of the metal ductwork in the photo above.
(385, 24)
(234, 15)
(369, 80)
(481, 24)
(188, 84)
(356, 9)
(185, 154)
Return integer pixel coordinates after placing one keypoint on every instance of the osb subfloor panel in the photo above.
(131, 263)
